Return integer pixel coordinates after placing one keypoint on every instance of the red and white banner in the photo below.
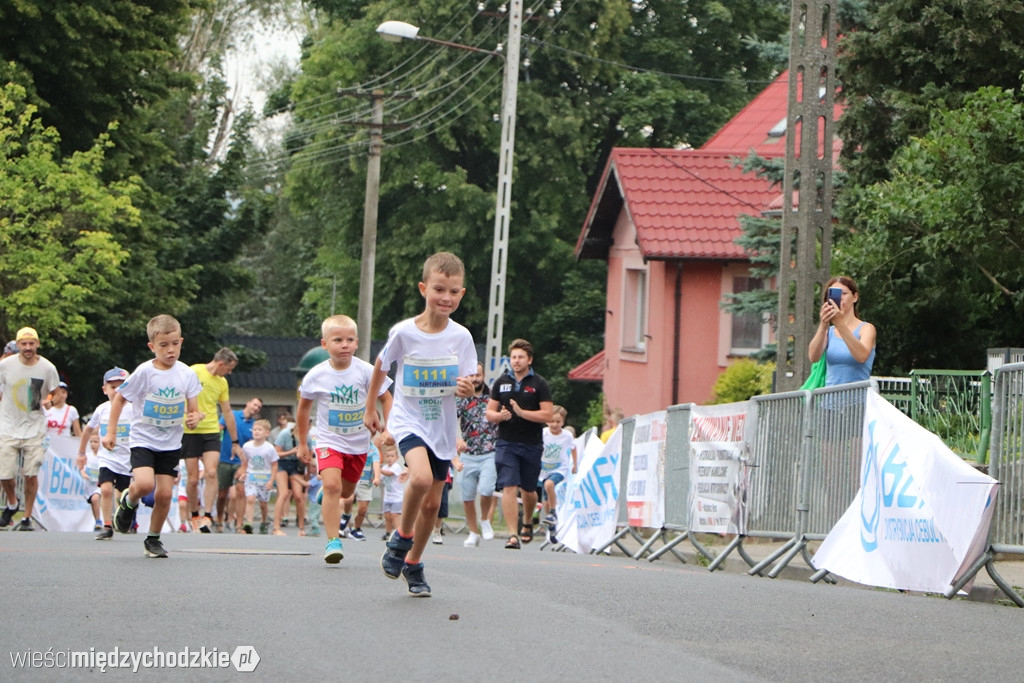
(645, 482)
(720, 448)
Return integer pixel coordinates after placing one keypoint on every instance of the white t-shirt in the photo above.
(160, 404)
(394, 490)
(59, 420)
(21, 405)
(92, 466)
(340, 400)
(428, 365)
(119, 460)
(257, 471)
(557, 456)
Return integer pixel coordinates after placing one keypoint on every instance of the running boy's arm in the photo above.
(301, 429)
(83, 443)
(273, 476)
(376, 474)
(370, 417)
(117, 402)
(192, 414)
(574, 459)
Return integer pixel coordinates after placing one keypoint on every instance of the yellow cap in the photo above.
(26, 333)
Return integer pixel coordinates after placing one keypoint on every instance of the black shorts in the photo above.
(120, 481)
(438, 467)
(442, 512)
(162, 462)
(518, 464)
(194, 445)
(290, 466)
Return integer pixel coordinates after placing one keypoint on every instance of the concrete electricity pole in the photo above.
(805, 251)
(369, 261)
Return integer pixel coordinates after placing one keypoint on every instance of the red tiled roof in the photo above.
(590, 370)
(683, 203)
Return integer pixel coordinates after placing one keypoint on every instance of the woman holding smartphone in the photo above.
(847, 341)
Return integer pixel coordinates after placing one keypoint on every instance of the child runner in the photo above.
(393, 477)
(164, 391)
(115, 473)
(340, 387)
(260, 467)
(557, 462)
(436, 358)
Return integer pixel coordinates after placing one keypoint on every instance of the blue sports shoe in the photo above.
(418, 587)
(333, 553)
(393, 559)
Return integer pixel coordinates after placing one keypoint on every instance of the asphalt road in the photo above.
(495, 615)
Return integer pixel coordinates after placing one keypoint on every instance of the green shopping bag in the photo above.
(816, 380)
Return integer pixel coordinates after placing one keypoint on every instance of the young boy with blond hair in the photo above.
(393, 478)
(259, 464)
(436, 358)
(557, 463)
(163, 392)
(341, 389)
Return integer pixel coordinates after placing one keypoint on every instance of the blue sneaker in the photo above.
(418, 587)
(332, 553)
(393, 559)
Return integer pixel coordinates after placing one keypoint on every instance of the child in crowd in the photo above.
(315, 491)
(164, 391)
(363, 496)
(89, 466)
(393, 477)
(259, 469)
(557, 462)
(61, 417)
(115, 469)
(436, 358)
(340, 388)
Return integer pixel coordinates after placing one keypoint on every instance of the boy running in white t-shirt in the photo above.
(557, 462)
(341, 389)
(436, 359)
(164, 392)
(260, 470)
(115, 473)
(393, 478)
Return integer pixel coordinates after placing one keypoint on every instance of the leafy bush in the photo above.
(743, 379)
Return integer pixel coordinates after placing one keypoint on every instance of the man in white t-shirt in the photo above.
(26, 377)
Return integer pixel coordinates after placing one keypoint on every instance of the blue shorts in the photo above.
(518, 464)
(478, 476)
(438, 467)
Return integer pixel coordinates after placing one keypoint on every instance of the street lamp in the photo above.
(396, 31)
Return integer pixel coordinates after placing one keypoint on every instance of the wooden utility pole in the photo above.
(805, 251)
(369, 261)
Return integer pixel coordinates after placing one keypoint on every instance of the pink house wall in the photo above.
(641, 382)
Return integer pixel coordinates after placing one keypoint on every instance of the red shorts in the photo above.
(350, 464)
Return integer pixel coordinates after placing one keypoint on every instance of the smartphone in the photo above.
(835, 295)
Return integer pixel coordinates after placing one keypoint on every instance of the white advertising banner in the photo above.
(62, 502)
(62, 499)
(645, 489)
(921, 516)
(587, 501)
(720, 447)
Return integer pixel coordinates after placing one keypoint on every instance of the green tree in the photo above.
(688, 72)
(57, 226)
(938, 247)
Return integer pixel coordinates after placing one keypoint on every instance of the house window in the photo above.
(749, 330)
(634, 311)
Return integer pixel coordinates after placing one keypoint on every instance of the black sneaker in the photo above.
(393, 559)
(105, 535)
(154, 548)
(124, 518)
(24, 525)
(8, 514)
(357, 535)
(413, 574)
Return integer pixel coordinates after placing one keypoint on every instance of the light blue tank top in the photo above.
(841, 368)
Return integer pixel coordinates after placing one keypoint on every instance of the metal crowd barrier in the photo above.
(772, 496)
(677, 486)
(622, 527)
(1006, 464)
(829, 469)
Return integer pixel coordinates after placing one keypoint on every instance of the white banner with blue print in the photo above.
(921, 516)
(587, 501)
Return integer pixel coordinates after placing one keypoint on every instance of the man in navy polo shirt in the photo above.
(520, 405)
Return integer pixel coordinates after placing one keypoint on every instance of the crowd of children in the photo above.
(351, 434)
